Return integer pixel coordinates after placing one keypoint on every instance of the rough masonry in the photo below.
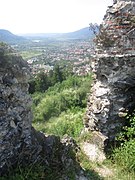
(20, 144)
(113, 93)
(118, 29)
(15, 111)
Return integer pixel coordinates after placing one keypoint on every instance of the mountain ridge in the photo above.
(83, 33)
(10, 38)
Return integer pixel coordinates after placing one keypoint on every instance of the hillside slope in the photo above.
(83, 33)
(10, 38)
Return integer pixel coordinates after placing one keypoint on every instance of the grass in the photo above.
(69, 122)
(53, 116)
(30, 54)
(26, 173)
(125, 156)
(118, 172)
(37, 173)
(70, 94)
(89, 167)
(85, 137)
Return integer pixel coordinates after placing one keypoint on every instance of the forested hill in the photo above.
(10, 38)
(84, 33)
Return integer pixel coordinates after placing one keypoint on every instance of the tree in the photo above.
(41, 82)
(32, 84)
(57, 75)
(103, 38)
(94, 28)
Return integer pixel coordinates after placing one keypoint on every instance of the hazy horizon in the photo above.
(51, 32)
(50, 16)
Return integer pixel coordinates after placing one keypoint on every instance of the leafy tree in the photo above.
(41, 82)
(69, 94)
(57, 75)
(32, 84)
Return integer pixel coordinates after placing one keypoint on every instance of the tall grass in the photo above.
(124, 156)
(69, 122)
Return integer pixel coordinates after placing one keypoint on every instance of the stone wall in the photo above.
(118, 27)
(20, 144)
(112, 95)
(15, 109)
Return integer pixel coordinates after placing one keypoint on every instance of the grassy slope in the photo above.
(69, 121)
(60, 111)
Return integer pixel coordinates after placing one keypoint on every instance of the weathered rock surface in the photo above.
(113, 93)
(20, 143)
(15, 111)
(93, 152)
(118, 29)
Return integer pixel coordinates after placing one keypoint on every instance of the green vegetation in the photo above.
(68, 122)
(38, 172)
(32, 173)
(59, 104)
(125, 154)
(88, 166)
(42, 81)
(29, 54)
(61, 108)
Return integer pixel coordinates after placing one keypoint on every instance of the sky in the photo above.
(50, 16)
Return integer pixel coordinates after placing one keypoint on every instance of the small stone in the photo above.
(12, 124)
(93, 152)
(122, 114)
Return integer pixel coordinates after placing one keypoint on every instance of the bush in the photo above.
(69, 94)
(125, 155)
(69, 122)
(32, 172)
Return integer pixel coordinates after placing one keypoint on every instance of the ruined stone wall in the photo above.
(113, 93)
(15, 110)
(119, 28)
(20, 144)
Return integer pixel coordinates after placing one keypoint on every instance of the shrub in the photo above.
(69, 122)
(69, 94)
(125, 155)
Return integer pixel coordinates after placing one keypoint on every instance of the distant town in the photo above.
(75, 53)
(44, 51)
